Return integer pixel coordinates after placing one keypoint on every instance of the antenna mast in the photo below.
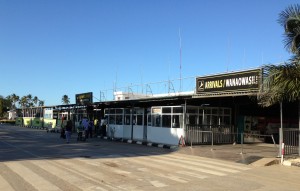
(180, 58)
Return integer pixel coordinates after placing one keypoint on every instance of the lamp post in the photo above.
(280, 132)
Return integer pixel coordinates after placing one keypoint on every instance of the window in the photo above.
(119, 119)
(156, 110)
(127, 111)
(214, 120)
(139, 120)
(111, 119)
(176, 121)
(166, 110)
(192, 110)
(192, 119)
(226, 120)
(119, 111)
(156, 120)
(149, 120)
(166, 121)
(127, 120)
(177, 109)
(227, 111)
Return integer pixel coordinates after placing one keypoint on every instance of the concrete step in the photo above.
(266, 162)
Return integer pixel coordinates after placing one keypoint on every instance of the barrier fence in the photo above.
(195, 134)
(291, 141)
(212, 135)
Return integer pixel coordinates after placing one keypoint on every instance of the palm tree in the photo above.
(290, 20)
(23, 103)
(65, 99)
(35, 100)
(29, 100)
(282, 82)
(41, 103)
(13, 98)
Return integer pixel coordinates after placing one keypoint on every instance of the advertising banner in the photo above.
(230, 82)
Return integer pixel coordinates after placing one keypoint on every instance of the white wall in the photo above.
(12, 115)
(118, 131)
(169, 136)
(127, 131)
(138, 132)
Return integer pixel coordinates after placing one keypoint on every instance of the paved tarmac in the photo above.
(256, 154)
(245, 154)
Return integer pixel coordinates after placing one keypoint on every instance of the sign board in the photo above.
(230, 82)
(156, 110)
(84, 98)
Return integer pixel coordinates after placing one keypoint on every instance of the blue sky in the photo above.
(49, 48)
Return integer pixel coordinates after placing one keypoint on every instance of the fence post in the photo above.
(242, 142)
(212, 140)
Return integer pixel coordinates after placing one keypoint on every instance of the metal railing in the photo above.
(195, 134)
(291, 141)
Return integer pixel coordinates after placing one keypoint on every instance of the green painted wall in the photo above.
(19, 121)
(50, 123)
(27, 121)
(37, 122)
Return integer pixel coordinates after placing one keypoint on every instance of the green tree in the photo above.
(4, 106)
(29, 101)
(282, 82)
(290, 20)
(13, 98)
(23, 102)
(65, 99)
(35, 100)
(41, 103)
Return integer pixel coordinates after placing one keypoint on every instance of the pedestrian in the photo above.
(96, 126)
(62, 129)
(80, 130)
(90, 129)
(85, 124)
(103, 127)
(69, 127)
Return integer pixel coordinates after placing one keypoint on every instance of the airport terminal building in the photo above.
(218, 110)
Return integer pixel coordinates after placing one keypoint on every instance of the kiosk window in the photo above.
(156, 120)
(166, 121)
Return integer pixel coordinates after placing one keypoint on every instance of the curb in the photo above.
(145, 143)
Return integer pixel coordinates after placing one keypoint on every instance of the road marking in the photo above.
(211, 161)
(198, 163)
(68, 174)
(158, 184)
(31, 177)
(188, 173)
(5, 185)
(176, 164)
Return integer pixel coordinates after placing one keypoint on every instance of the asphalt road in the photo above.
(32, 159)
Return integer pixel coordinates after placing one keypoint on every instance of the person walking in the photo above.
(69, 127)
(90, 129)
(96, 126)
(85, 124)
